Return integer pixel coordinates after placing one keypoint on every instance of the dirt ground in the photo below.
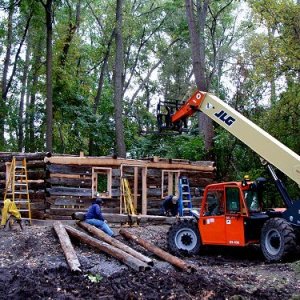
(33, 267)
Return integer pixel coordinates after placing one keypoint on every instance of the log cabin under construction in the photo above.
(60, 185)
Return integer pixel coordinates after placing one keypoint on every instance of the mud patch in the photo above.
(33, 267)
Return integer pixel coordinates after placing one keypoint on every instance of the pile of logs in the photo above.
(113, 247)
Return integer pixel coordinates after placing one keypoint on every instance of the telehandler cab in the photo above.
(231, 213)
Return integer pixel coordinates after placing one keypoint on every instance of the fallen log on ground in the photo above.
(124, 257)
(175, 261)
(112, 241)
(67, 247)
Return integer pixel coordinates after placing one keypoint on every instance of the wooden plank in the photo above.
(78, 200)
(69, 169)
(91, 161)
(144, 191)
(78, 182)
(135, 186)
(58, 175)
(106, 161)
(69, 191)
(154, 192)
(179, 166)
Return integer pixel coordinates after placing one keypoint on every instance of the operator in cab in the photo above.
(94, 217)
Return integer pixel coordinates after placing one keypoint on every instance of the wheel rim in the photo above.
(186, 239)
(273, 242)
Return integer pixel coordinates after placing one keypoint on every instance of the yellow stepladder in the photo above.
(17, 188)
(127, 198)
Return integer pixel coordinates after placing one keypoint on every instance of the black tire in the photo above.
(278, 240)
(184, 238)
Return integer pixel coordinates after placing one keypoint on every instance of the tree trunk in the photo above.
(3, 104)
(36, 52)
(24, 82)
(271, 75)
(67, 247)
(118, 83)
(114, 242)
(196, 31)
(124, 257)
(99, 91)
(177, 262)
(49, 91)
(73, 26)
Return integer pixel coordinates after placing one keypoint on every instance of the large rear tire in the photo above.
(278, 239)
(184, 238)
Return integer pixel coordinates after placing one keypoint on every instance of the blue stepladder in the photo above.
(185, 199)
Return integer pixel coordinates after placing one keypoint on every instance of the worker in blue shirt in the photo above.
(94, 217)
(170, 206)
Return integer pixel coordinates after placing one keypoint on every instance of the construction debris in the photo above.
(67, 246)
(175, 261)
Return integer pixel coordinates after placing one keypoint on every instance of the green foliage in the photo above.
(94, 278)
(256, 63)
(169, 146)
(283, 119)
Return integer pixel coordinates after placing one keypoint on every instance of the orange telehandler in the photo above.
(231, 213)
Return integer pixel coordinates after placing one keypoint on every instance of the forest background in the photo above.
(86, 75)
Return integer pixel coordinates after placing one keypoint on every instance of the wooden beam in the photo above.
(170, 183)
(69, 191)
(144, 191)
(122, 256)
(175, 261)
(91, 161)
(7, 156)
(67, 247)
(114, 242)
(107, 161)
(135, 186)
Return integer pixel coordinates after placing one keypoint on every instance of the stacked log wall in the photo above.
(198, 180)
(61, 185)
(69, 190)
(36, 179)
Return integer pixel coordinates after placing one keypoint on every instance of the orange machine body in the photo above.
(229, 216)
(189, 108)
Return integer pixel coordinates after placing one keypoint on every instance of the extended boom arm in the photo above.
(253, 136)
